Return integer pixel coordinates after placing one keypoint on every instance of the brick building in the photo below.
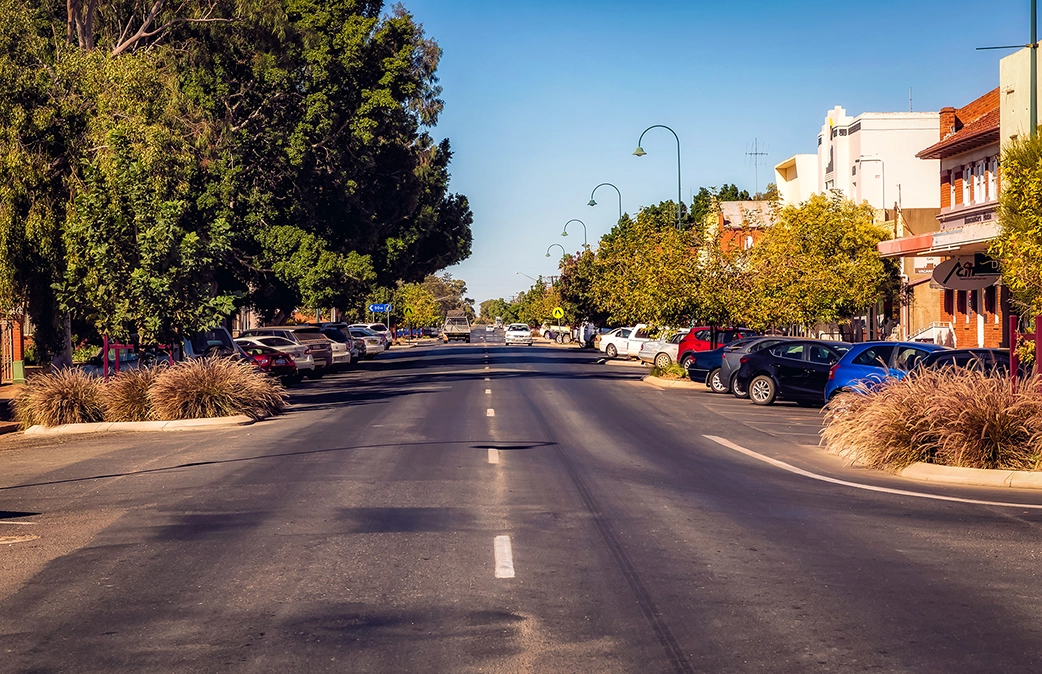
(968, 151)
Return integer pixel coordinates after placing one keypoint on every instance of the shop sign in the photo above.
(959, 273)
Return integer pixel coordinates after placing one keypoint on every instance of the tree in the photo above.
(449, 293)
(1019, 244)
(417, 297)
(819, 263)
(497, 308)
(732, 193)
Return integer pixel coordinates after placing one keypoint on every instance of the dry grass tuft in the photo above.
(214, 387)
(672, 371)
(954, 417)
(125, 396)
(66, 397)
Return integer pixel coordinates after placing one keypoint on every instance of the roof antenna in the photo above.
(755, 158)
(909, 99)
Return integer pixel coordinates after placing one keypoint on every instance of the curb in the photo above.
(669, 383)
(621, 363)
(108, 426)
(982, 477)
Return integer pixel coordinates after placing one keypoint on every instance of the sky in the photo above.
(544, 100)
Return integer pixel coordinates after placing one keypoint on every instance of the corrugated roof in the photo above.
(982, 131)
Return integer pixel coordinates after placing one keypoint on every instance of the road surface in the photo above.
(479, 508)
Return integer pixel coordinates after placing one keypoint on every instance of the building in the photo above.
(742, 222)
(870, 158)
(968, 186)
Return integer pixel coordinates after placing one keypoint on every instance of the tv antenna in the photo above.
(754, 156)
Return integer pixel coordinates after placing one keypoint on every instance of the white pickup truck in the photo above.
(624, 341)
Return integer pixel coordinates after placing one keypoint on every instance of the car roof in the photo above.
(858, 347)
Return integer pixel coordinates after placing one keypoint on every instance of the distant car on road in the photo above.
(457, 327)
(374, 344)
(869, 363)
(519, 333)
(379, 329)
(794, 370)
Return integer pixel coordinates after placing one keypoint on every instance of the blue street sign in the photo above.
(380, 308)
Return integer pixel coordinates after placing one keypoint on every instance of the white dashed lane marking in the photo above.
(493, 455)
(488, 391)
(504, 557)
(490, 412)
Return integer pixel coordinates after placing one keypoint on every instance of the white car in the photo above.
(615, 342)
(374, 343)
(379, 329)
(300, 353)
(661, 352)
(519, 333)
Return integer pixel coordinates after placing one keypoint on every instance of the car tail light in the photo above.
(743, 360)
(307, 350)
(832, 371)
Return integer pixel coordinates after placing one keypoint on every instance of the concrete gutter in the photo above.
(117, 426)
(671, 383)
(1018, 479)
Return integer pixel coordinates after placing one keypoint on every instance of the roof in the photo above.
(747, 213)
(983, 131)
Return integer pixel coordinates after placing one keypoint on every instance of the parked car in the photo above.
(792, 370)
(355, 344)
(725, 381)
(706, 366)
(550, 332)
(300, 353)
(661, 352)
(273, 362)
(374, 344)
(871, 362)
(624, 341)
(345, 353)
(519, 333)
(991, 361)
(379, 329)
(706, 338)
(213, 342)
(306, 335)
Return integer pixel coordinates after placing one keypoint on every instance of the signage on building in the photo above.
(983, 265)
(972, 219)
(925, 265)
(959, 273)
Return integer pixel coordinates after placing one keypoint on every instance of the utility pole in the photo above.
(756, 154)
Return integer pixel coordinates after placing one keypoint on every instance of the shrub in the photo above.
(214, 387)
(952, 417)
(672, 371)
(125, 396)
(68, 396)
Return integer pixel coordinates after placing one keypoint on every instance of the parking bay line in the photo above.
(857, 485)
(504, 557)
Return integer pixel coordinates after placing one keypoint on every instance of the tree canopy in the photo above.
(1019, 244)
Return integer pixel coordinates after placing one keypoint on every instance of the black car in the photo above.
(704, 364)
(991, 361)
(793, 370)
(726, 379)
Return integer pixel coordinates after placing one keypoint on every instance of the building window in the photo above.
(990, 299)
(951, 189)
(993, 179)
(949, 302)
(973, 301)
(960, 302)
(979, 182)
(748, 242)
(967, 177)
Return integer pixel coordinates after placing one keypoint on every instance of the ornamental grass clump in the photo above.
(214, 387)
(954, 417)
(671, 371)
(68, 396)
(125, 396)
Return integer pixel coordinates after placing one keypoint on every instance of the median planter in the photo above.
(662, 382)
(194, 393)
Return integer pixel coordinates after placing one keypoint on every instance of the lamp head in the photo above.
(548, 254)
(639, 152)
(592, 203)
(564, 233)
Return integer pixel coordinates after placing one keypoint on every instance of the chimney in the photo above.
(947, 122)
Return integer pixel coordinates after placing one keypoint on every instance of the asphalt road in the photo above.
(478, 508)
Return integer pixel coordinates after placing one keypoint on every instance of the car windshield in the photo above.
(335, 335)
(518, 327)
(212, 341)
(274, 342)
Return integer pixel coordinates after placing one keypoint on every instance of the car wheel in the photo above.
(566, 338)
(662, 361)
(610, 351)
(762, 390)
(737, 389)
(715, 383)
(686, 361)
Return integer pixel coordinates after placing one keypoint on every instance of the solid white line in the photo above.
(490, 412)
(504, 557)
(857, 485)
(493, 455)
(488, 379)
(488, 391)
(486, 367)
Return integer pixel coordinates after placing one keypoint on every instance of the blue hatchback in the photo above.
(872, 362)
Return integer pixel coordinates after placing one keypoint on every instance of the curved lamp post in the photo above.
(565, 232)
(640, 153)
(563, 251)
(594, 203)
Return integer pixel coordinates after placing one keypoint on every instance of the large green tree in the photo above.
(1019, 244)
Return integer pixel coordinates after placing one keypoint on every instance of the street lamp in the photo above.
(565, 232)
(594, 203)
(563, 251)
(526, 276)
(639, 152)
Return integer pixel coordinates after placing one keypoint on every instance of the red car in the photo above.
(274, 363)
(707, 338)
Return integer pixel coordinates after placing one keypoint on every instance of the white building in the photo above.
(870, 158)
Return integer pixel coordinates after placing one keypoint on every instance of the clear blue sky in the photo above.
(544, 100)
